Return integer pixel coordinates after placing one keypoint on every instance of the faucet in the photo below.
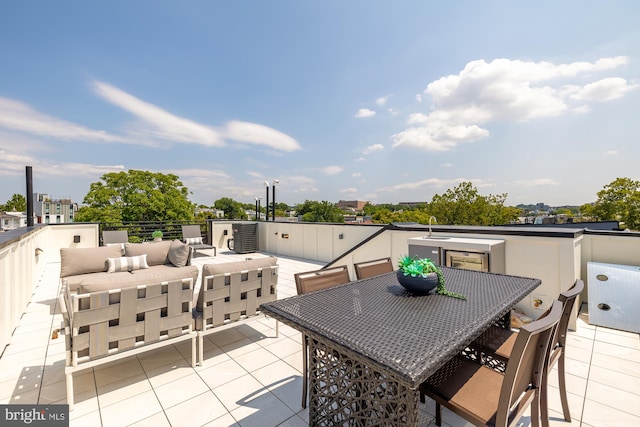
(434, 220)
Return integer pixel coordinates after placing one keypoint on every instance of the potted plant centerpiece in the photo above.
(157, 235)
(421, 275)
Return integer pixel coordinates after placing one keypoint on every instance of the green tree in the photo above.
(231, 208)
(465, 206)
(136, 196)
(385, 216)
(324, 211)
(618, 201)
(17, 203)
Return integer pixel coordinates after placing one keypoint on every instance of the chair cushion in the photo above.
(469, 386)
(74, 261)
(157, 252)
(116, 265)
(179, 253)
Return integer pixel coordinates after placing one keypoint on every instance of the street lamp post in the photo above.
(273, 212)
(258, 198)
(266, 187)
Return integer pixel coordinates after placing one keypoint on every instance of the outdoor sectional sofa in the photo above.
(233, 291)
(110, 314)
(89, 267)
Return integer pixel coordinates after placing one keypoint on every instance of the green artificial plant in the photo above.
(157, 234)
(420, 267)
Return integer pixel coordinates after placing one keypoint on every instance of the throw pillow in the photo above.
(193, 240)
(179, 253)
(116, 265)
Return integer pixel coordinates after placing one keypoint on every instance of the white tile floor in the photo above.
(252, 378)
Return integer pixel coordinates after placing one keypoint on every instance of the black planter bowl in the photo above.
(418, 285)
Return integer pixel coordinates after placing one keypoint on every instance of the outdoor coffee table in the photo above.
(371, 343)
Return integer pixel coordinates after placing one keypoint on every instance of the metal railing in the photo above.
(142, 231)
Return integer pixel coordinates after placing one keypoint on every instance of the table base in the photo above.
(344, 390)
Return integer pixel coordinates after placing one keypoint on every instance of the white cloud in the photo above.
(581, 109)
(437, 184)
(349, 190)
(372, 148)
(447, 165)
(23, 143)
(332, 170)
(539, 182)
(365, 112)
(360, 159)
(300, 184)
(611, 153)
(604, 90)
(382, 100)
(431, 182)
(18, 116)
(506, 90)
(356, 174)
(13, 164)
(258, 134)
(156, 123)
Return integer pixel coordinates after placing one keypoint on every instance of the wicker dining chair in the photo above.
(313, 281)
(373, 268)
(497, 343)
(484, 396)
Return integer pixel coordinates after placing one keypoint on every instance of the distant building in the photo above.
(357, 205)
(12, 220)
(50, 211)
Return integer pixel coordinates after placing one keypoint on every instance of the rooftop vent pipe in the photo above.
(29, 196)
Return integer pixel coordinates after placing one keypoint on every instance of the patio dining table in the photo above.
(371, 343)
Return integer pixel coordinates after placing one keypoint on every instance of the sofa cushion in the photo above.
(120, 245)
(162, 273)
(116, 265)
(74, 261)
(107, 281)
(179, 253)
(157, 274)
(231, 267)
(72, 283)
(157, 252)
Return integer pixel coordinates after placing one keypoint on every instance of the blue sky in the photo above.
(369, 100)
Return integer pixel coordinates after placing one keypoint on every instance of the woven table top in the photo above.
(376, 321)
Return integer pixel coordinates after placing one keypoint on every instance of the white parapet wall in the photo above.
(21, 261)
(23, 254)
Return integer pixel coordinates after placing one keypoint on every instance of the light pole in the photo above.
(258, 207)
(273, 212)
(266, 187)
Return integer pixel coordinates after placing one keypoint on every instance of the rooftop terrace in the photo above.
(250, 377)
